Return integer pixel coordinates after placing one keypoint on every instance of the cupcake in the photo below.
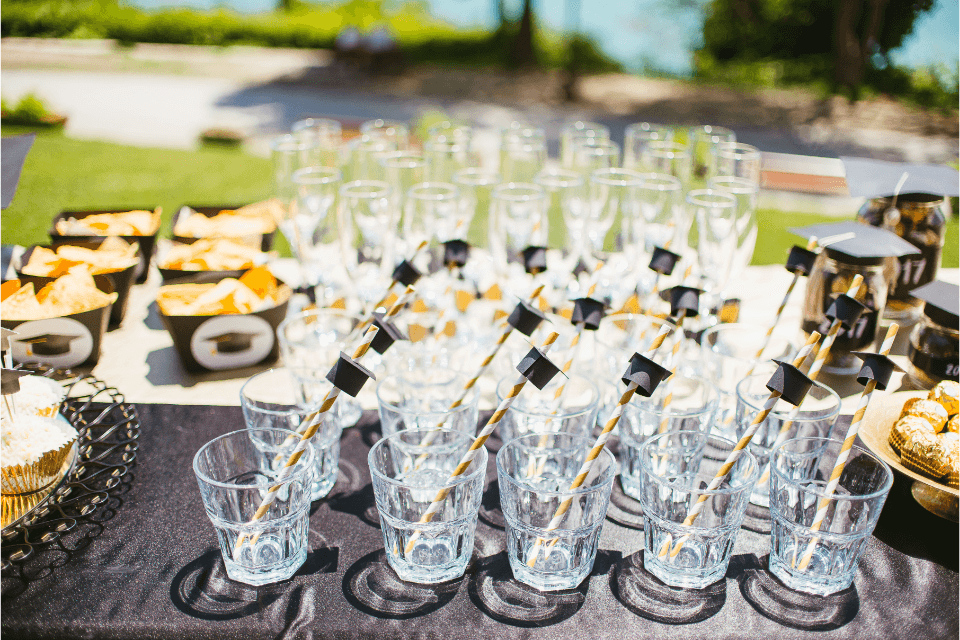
(40, 396)
(34, 450)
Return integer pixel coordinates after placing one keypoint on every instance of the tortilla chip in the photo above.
(220, 254)
(73, 293)
(113, 255)
(229, 296)
(261, 282)
(253, 219)
(21, 305)
(8, 288)
(127, 223)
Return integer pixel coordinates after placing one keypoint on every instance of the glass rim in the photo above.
(711, 199)
(523, 131)
(365, 189)
(433, 191)
(757, 405)
(308, 124)
(738, 150)
(711, 130)
(743, 485)
(441, 143)
(519, 191)
(661, 182)
(294, 475)
(730, 326)
(481, 469)
(627, 317)
(597, 146)
(379, 124)
(581, 490)
(559, 179)
(476, 177)
(294, 408)
(740, 186)
(514, 143)
(402, 160)
(582, 126)
(887, 483)
(316, 175)
(712, 403)
(668, 149)
(289, 143)
(562, 416)
(464, 406)
(303, 315)
(646, 127)
(629, 177)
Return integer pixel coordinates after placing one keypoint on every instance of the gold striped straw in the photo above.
(598, 446)
(481, 438)
(815, 368)
(845, 452)
(314, 420)
(738, 449)
(656, 279)
(386, 296)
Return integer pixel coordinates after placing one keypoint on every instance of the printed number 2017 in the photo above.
(912, 270)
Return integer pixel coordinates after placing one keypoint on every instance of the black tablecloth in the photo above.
(152, 569)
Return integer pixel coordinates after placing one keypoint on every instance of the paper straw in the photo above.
(369, 318)
(314, 420)
(656, 280)
(601, 442)
(481, 438)
(845, 452)
(814, 371)
(738, 449)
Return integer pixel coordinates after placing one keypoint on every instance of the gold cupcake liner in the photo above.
(27, 478)
(12, 508)
(897, 440)
(953, 480)
(922, 464)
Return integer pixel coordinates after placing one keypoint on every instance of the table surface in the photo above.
(151, 568)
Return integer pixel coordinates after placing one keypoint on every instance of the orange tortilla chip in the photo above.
(229, 296)
(67, 295)
(21, 304)
(8, 288)
(261, 282)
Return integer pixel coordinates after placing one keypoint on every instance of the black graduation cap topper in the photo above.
(537, 368)
(876, 366)
(846, 309)
(233, 341)
(388, 334)
(684, 301)
(10, 381)
(663, 261)
(646, 373)
(792, 383)
(801, 260)
(406, 274)
(535, 259)
(589, 311)
(525, 318)
(867, 246)
(349, 376)
(49, 344)
(878, 178)
(456, 253)
(942, 302)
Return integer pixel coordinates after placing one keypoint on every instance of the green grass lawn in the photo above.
(63, 173)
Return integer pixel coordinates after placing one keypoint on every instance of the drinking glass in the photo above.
(407, 472)
(433, 210)
(738, 160)
(614, 205)
(637, 137)
(568, 202)
(561, 558)
(328, 137)
(521, 159)
(670, 158)
(579, 129)
(366, 234)
(746, 192)
(518, 220)
(234, 472)
(290, 152)
(716, 239)
(451, 131)
(816, 417)
(395, 134)
(401, 170)
(676, 469)
(590, 154)
(311, 342)
(539, 411)
(365, 152)
(421, 399)
(445, 156)
(800, 470)
(661, 198)
(691, 406)
(475, 187)
(704, 141)
(728, 353)
(272, 400)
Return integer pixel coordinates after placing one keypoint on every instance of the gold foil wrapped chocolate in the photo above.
(925, 453)
(952, 442)
(906, 427)
(953, 424)
(930, 410)
(947, 393)
(909, 403)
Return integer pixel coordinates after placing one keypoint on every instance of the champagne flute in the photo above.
(568, 202)
(661, 204)
(522, 158)
(590, 154)
(518, 220)
(745, 191)
(401, 170)
(716, 242)
(328, 136)
(311, 227)
(366, 219)
(395, 134)
(738, 160)
(475, 186)
(637, 137)
(579, 129)
(704, 141)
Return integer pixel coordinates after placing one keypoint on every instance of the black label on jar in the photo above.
(861, 334)
(944, 368)
(916, 271)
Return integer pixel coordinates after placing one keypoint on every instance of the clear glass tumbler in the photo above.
(677, 468)
(737, 159)
(637, 137)
(815, 418)
(273, 400)
(692, 406)
(800, 469)
(328, 136)
(563, 557)
(539, 411)
(421, 399)
(234, 472)
(408, 471)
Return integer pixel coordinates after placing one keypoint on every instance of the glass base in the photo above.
(667, 571)
(554, 570)
(816, 579)
(259, 563)
(427, 565)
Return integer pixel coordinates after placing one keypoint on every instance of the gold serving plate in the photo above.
(16, 508)
(881, 415)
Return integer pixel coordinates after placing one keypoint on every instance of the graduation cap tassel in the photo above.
(313, 420)
(845, 451)
(598, 446)
(738, 449)
(481, 438)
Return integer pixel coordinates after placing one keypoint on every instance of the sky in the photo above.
(642, 33)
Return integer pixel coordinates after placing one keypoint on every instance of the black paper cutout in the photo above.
(588, 311)
(406, 274)
(388, 333)
(535, 259)
(456, 253)
(846, 309)
(792, 383)
(537, 368)
(349, 376)
(663, 261)
(876, 367)
(646, 373)
(801, 260)
(525, 318)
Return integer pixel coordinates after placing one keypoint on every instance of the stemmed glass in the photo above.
(661, 204)
(365, 152)
(745, 191)
(614, 204)
(475, 186)
(716, 216)
(578, 130)
(445, 155)
(311, 227)
(568, 202)
(290, 152)
(704, 141)
(521, 158)
(738, 160)
(518, 220)
(401, 170)
(328, 136)
(637, 137)
(590, 154)
(670, 158)
(432, 211)
(365, 211)
(395, 134)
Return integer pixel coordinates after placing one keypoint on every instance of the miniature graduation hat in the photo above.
(876, 366)
(535, 259)
(684, 301)
(49, 344)
(10, 380)
(525, 318)
(646, 373)
(349, 376)
(879, 178)
(942, 302)
(537, 368)
(388, 334)
(456, 253)
(846, 309)
(406, 274)
(233, 341)
(589, 311)
(663, 261)
(5, 338)
(867, 246)
(801, 260)
(790, 382)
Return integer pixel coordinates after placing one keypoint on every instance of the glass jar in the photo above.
(832, 275)
(918, 218)
(933, 353)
